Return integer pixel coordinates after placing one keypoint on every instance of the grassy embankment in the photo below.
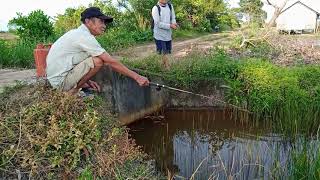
(287, 98)
(47, 134)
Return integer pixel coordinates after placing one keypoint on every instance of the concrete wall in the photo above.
(132, 102)
(129, 100)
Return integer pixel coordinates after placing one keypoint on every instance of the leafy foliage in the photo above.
(202, 15)
(254, 9)
(69, 20)
(205, 15)
(35, 26)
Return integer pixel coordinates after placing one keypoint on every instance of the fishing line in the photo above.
(159, 86)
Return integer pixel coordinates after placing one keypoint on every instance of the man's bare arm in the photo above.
(122, 69)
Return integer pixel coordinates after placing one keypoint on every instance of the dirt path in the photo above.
(180, 49)
(10, 76)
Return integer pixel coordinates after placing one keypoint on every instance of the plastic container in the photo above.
(40, 56)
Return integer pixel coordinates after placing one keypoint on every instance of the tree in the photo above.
(69, 20)
(277, 11)
(135, 15)
(254, 9)
(71, 17)
(204, 14)
(140, 10)
(35, 26)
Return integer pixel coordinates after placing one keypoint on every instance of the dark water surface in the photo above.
(210, 144)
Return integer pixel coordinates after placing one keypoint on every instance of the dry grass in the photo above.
(123, 148)
(48, 134)
(8, 36)
(285, 50)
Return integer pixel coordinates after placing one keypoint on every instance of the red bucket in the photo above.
(40, 55)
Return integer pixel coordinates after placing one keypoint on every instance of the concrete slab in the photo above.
(9, 77)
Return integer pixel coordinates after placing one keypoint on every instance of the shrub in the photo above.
(17, 53)
(35, 26)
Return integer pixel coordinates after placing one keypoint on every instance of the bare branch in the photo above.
(277, 12)
(283, 4)
(269, 3)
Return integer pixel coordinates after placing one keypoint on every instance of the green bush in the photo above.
(17, 53)
(117, 38)
(35, 26)
(32, 29)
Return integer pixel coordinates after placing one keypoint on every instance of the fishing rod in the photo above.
(159, 86)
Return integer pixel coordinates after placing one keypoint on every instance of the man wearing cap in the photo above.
(77, 56)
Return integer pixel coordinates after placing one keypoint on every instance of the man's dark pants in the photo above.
(163, 47)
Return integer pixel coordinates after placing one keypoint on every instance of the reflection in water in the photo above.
(210, 144)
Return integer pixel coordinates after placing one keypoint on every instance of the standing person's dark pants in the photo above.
(163, 47)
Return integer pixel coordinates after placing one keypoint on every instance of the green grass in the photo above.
(17, 54)
(187, 34)
(190, 72)
(305, 163)
(287, 97)
(116, 38)
(289, 94)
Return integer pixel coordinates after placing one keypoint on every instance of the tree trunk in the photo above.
(272, 22)
(277, 12)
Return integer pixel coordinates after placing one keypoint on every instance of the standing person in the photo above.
(164, 20)
(77, 56)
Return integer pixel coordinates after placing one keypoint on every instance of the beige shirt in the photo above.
(69, 50)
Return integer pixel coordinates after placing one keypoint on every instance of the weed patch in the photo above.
(48, 134)
(287, 97)
(190, 72)
(16, 54)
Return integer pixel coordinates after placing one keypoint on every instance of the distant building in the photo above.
(298, 18)
(242, 18)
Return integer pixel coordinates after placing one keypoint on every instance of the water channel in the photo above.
(211, 144)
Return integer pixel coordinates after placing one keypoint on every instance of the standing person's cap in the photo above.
(95, 12)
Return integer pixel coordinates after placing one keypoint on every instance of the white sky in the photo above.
(9, 8)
